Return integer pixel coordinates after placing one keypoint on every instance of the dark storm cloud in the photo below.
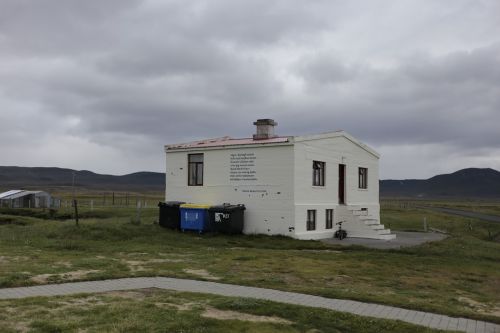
(121, 78)
(453, 98)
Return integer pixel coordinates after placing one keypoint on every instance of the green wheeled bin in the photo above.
(227, 218)
(170, 215)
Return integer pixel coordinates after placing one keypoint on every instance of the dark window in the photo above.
(195, 169)
(318, 173)
(311, 219)
(329, 219)
(363, 178)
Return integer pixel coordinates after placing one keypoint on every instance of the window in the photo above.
(318, 173)
(329, 219)
(363, 178)
(311, 219)
(195, 169)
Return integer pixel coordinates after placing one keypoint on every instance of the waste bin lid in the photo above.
(174, 203)
(170, 203)
(227, 207)
(201, 206)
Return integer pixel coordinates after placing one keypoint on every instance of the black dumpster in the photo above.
(170, 216)
(227, 219)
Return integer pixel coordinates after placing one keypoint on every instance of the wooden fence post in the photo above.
(76, 212)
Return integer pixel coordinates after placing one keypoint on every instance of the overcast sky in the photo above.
(103, 85)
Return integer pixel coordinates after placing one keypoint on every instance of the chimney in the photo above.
(265, 129)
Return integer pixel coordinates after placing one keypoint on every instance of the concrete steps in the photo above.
(360, 223)
(376, 226)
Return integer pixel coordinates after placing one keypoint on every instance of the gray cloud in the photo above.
(54, 28)
(451, 98)
(117, 80)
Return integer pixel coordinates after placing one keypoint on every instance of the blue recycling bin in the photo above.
(195, 217)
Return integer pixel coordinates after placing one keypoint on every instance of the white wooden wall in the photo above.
(269, 199)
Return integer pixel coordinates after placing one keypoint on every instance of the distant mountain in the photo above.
(23, 177)
(465, 183)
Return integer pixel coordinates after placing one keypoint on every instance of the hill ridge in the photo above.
(464, 183)
(29, 177)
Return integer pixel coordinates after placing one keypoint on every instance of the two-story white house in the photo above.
(297, 186)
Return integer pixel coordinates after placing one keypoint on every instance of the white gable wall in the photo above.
(333, 151)
(268, 196)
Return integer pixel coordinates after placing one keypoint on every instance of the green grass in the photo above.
(485, 207)
(411, 219)
(164, 311)
(458, 276)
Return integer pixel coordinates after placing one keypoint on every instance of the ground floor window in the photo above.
(329, 219)
(311, 219)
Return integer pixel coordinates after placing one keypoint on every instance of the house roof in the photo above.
(14, 194)
(9, 193)
(228, 141)
(341, 133)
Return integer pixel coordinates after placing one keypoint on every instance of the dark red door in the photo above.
(342, 184)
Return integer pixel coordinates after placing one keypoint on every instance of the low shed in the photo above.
(27, 199)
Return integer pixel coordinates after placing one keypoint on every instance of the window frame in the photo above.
(363, 178)
(197, 167)
(320, 171)
(311, 223)
(329, 218)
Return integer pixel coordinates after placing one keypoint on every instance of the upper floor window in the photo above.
(318, 173)
(363, 178)
(195, 169)
(311, 219)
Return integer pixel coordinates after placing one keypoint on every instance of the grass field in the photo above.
(459, 276)
(485, 207)
(150, 310)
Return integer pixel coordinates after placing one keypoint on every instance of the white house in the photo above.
(298, 186)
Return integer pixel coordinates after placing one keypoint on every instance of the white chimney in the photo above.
(265, 129)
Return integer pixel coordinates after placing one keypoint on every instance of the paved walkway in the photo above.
(354, 307)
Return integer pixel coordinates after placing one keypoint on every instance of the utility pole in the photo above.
(75, 205)
(138, 217)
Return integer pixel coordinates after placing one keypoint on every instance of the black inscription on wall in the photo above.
(242, 167)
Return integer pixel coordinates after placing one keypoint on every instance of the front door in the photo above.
(342, 184)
